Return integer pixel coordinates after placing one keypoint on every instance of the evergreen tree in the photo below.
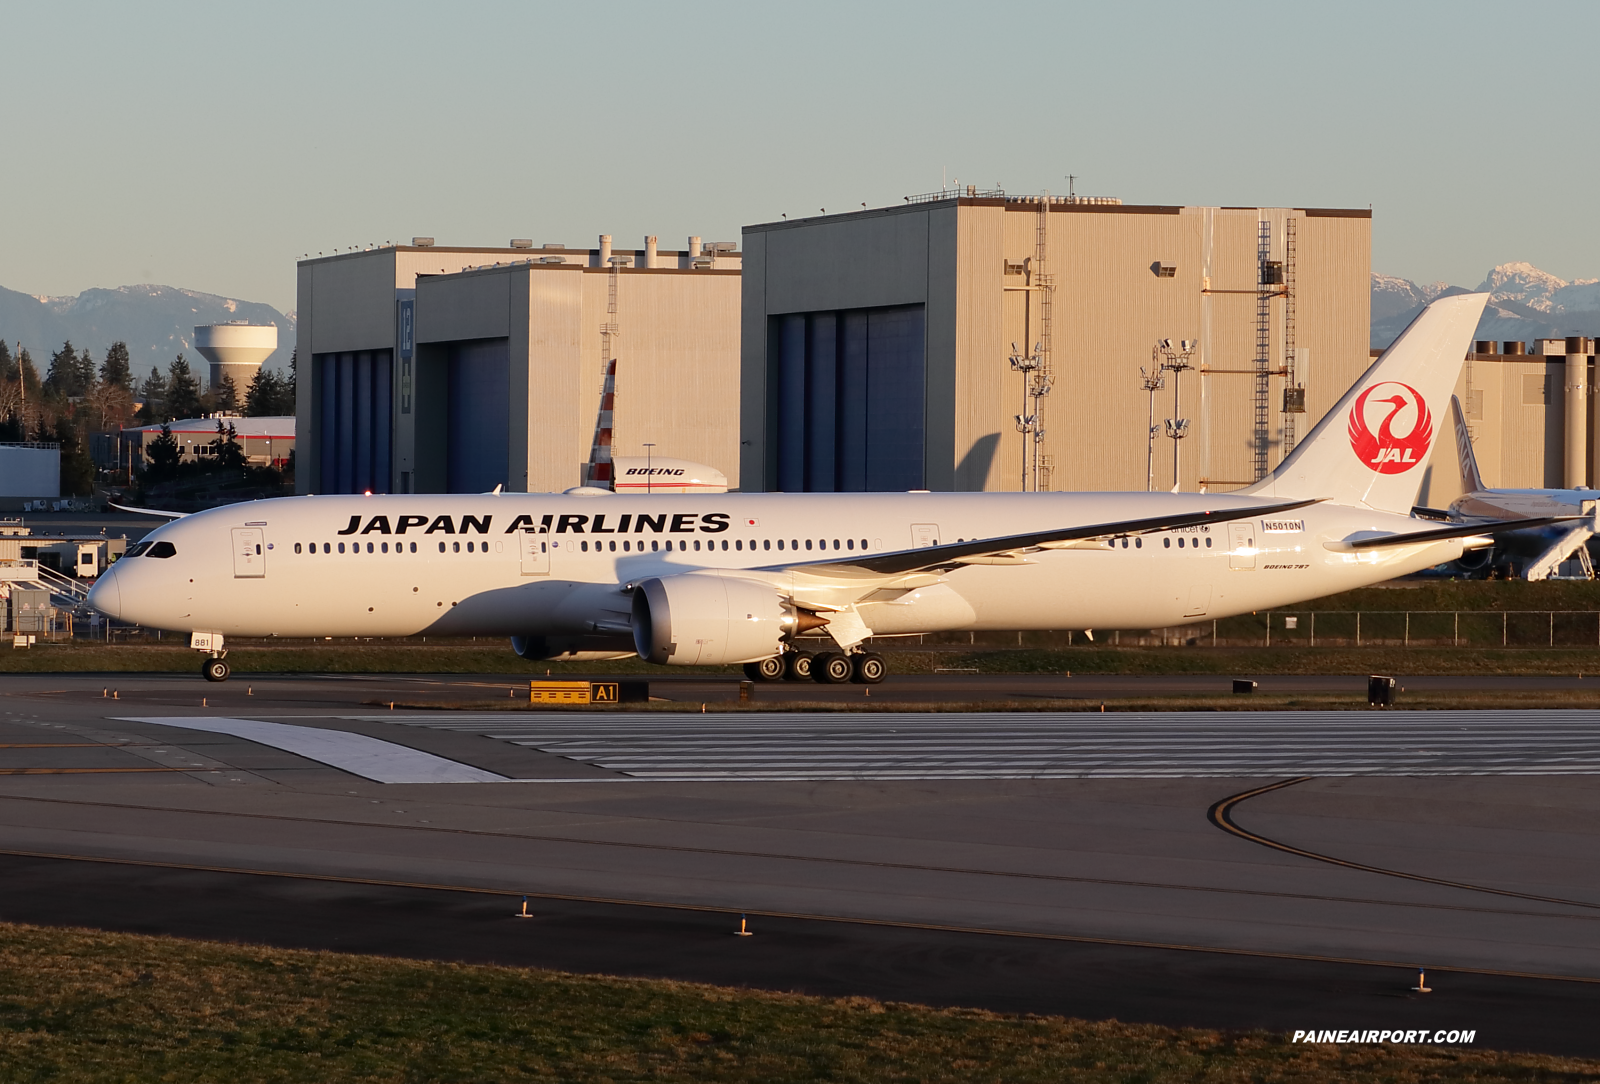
(61, 380)
(294, 375)
(8, 367)
(225, 396)
(83, 371)
(116, 368)
(264, 395)
(154, 393)
(164, 454)
(77, 470)
(228, 452)
(183, 390)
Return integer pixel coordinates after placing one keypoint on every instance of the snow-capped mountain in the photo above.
(1525, 303)
(157, 323)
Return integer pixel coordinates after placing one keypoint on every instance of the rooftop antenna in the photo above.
(1072, 190)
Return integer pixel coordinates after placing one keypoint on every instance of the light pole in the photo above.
(1034, 388)
(1177, 361)
(1152, 381)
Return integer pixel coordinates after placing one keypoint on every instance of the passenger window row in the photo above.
(1166, 542)
(739, 544)
(383, 547)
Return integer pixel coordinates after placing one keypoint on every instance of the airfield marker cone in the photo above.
(1422, 986)
(524, 913)
(744, 928)
(202, 701)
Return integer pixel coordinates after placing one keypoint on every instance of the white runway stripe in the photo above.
(1053, 746)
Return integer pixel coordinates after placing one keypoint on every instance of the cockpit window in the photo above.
(138, 550)
(162, 549)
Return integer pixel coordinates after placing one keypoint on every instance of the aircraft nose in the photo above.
(105, 595)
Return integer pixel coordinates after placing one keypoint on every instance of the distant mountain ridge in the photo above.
(1525, 303)
(157, 323)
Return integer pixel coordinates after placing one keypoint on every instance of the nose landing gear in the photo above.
(215, 668)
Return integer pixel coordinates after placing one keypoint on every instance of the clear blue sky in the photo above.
(209, 145)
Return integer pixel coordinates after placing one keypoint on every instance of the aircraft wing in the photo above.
(1442, 534)
(900, 562)
(148, 511)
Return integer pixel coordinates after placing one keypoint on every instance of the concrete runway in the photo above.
(884, 867)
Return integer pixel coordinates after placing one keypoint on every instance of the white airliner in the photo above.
(739, 577)
(1538, 552)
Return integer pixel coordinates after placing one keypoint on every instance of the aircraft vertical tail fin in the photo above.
(1370, 450)
(1471, 480)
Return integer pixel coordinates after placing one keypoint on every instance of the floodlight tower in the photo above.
(1177, 362)
(1152, 380)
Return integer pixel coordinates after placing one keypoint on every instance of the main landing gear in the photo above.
(825, 668)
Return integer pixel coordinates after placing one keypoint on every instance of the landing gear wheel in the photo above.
(215, 669)
(831, 668)
(868, 668)
(765, 670)
(797, 666)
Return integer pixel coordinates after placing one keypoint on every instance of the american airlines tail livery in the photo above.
(752, 578)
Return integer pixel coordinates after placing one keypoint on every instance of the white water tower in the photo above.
(235, 350)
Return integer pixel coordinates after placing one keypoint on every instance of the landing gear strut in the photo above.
(215, 668)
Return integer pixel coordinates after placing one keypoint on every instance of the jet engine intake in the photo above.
(707, 619)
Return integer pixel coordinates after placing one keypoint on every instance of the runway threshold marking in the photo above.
(721, 852)
(885, 923)
(1221, 815)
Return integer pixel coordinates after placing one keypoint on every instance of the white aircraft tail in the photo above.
(1370, 449)
(1471, 480)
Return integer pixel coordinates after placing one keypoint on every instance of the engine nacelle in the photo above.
(572, 648)
(707, 619)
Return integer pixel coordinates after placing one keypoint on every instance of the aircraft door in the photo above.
(249, 552)
(535, 553)
(924, 534)
(1242, 544)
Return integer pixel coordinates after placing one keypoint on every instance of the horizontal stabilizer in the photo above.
(1444, 534)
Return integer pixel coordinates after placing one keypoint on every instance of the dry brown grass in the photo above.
(89, 1006)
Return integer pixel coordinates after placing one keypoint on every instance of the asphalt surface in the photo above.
(1153, 897)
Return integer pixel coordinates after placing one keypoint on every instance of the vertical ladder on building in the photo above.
(1265, 288)
(609, 329)
(1042, 378)
(1290, 377)
(600, 472)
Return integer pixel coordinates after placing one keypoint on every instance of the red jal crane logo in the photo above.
(1386, 452)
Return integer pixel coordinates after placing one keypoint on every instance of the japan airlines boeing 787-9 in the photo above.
(742, 577)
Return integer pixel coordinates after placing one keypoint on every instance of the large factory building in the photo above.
(454, 370)
(897, 348)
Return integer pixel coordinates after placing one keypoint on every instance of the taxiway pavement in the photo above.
(1082, 870)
